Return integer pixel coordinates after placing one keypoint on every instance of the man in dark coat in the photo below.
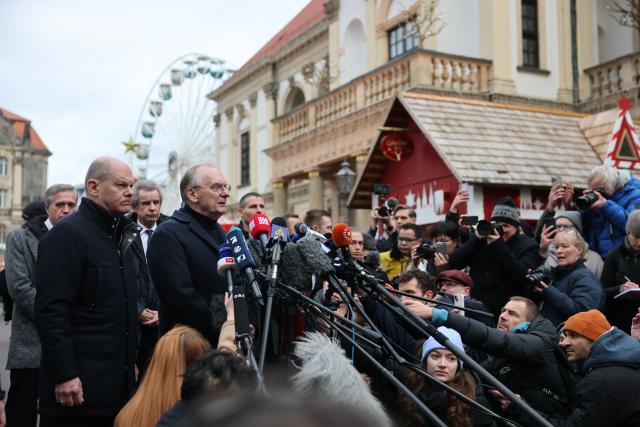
(522, 348)
(183, 253)
(498, 262)
(85, 306)
(608, 393)
(146, 203)
(20, 259)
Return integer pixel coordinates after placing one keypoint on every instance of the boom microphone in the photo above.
(259, 227)
(341, 235)
(226, 264)
(304, 260)
(243, 259)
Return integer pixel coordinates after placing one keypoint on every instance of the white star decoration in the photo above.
(538, 204)
(410, 199)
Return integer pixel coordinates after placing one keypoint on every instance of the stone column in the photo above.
(270, 94)
(279, 198)
(316, 190)
(253, 135)
(361, 217)
(496, 18)
(565, 66)
(218, 139)
(15, 198)
(335, 205)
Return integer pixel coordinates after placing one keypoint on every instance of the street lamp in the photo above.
(345, 178)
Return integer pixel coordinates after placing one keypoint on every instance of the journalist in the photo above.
(396, 260)
(606, 205)
(498, 261)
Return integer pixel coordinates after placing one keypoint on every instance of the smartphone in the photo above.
(464, 186)
(441, 247)
(458, 301)
(469, 220)
(556, 180)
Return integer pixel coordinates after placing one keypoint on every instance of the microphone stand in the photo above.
(433, 419)
(428, 329)
(390, 350)
(446, 304)
(272, 277)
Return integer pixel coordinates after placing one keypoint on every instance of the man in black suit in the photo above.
(85, 305)
(183, 253)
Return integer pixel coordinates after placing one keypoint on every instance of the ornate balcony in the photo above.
(609, 80)
(422, 67)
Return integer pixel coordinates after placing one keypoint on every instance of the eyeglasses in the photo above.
(406, 239)
(217, 188)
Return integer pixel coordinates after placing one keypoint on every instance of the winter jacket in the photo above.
(21, 257)
(85, 311)
(498, 270)
(622, 264)
(604, 228)
(608, 394)
(573, 289)
(392, 266)
(524, 361)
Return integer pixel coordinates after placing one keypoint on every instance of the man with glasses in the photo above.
(396, 260)
(402, 214)
(183, 253)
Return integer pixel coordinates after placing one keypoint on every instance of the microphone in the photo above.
(341, 236)
(259, 227)
(305, 232)
(240, 311)
(304, 260)
(243, 259)
(226, 264)
(279, 231)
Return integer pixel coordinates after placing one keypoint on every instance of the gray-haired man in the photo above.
(24, 345)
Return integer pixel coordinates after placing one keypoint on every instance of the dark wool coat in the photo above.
(182, 256)
(85, 312)
(498, 270)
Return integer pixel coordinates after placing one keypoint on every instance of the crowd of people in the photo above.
(121, 317)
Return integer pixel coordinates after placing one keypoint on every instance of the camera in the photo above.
(387, 207)
(586, 200)
(426, 251)
(540, 274)
(485, 228)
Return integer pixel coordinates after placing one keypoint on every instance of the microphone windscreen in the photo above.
(341, 234)
(293, 271)
(314, 257)
(241, 254)
(300, 229)
(279, 221)
(259, 224)
(225, 258)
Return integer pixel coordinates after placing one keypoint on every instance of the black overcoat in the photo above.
(85, 312)
(182, 256)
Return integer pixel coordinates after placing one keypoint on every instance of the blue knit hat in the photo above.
(431, 344)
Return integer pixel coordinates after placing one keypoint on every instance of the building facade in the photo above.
(23, 169)
(320, 90)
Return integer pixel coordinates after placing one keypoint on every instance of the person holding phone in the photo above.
(446, 236)
(560, 199)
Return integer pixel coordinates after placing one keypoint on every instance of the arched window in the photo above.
(4, 166)
(294, 99)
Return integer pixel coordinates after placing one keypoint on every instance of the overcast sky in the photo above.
(80, 70)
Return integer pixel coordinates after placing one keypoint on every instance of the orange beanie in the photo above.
(590, 324)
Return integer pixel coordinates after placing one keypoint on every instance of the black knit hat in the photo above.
(33, 209)
(506, 211)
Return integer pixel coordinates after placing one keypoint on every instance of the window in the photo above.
(4, 199)
(530, 51)
(4, 166)
(245, 153)
(402, 38)
(3, 233)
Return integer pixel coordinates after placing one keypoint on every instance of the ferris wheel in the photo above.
(175, 128)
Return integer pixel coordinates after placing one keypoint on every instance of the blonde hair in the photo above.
(575, 239)
(160, 386)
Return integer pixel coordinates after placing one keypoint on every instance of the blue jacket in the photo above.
(573, 289)
(604, 228)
